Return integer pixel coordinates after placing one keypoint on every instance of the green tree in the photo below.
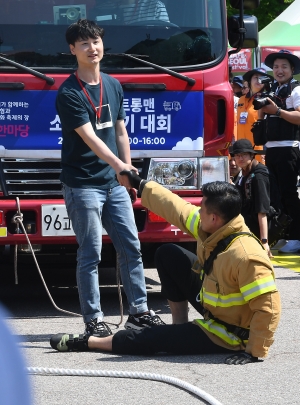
(266, 12)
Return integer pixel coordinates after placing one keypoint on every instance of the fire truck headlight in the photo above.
(174, 173)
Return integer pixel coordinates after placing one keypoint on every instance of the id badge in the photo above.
(243, 117)
(105, 118)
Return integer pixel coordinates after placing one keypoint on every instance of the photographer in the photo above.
(280, 134)
(246, 114)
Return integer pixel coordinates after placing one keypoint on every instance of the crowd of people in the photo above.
(269, 135)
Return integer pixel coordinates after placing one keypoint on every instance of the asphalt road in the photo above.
(34, 319)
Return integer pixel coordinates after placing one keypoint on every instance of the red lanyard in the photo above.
(97, 112)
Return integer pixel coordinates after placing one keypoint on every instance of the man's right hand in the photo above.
(124, 180)
(133, 178)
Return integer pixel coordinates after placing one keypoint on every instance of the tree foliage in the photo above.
(265, 13)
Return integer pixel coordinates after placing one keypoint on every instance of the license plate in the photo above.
(55, 221)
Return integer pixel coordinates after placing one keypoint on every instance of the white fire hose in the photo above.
(126, 374)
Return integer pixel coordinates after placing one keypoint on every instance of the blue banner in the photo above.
(155, 121)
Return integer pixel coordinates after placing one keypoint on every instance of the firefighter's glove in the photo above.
(135, 180)
(241, 359)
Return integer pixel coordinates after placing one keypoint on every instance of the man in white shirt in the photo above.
(283, 135)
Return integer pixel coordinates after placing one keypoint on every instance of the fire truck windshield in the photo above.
(171, 33)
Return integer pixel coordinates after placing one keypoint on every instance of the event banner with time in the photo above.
(154, 120)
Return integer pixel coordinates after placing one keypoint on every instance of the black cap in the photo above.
(238, 80)
(283, 54)
(242, 146)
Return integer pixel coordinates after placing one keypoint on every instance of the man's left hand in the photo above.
(241, 359)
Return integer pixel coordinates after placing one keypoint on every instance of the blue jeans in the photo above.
(88, 209)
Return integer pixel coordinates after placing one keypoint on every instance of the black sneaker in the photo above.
(97, 329)
(69, 343)
(143, 321)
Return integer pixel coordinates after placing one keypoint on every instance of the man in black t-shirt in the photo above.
(95, 149)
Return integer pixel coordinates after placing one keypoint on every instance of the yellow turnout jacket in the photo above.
(240, 290)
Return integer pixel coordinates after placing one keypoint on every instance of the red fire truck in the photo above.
(171, 57)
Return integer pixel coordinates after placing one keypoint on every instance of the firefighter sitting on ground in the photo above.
(237, 296)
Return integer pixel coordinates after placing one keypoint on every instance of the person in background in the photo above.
(237, 84)
(246, 115)
(236, 294)
(234, 170)
(95, 148)
(254, 187)
(245, 88)
(282, 119)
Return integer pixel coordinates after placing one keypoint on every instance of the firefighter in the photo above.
(235, 293)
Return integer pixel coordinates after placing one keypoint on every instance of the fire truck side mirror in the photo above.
(250, 31)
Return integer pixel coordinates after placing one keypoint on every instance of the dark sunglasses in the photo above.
(244, 88)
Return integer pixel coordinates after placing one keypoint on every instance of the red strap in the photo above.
(97, 112)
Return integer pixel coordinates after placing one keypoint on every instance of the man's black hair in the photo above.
(83, 29)
(223, 199)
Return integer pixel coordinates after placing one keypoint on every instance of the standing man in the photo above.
(95, 148)
(281, 133)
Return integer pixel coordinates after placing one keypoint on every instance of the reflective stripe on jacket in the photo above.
(220, 330)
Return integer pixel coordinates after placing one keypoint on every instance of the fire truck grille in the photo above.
(34, 178)
(31, 178)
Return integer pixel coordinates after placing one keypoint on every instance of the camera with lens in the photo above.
(261, 100)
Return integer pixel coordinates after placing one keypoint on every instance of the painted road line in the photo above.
(289, 261)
